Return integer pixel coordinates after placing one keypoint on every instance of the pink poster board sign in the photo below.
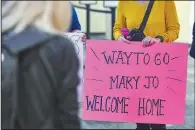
(130, 83)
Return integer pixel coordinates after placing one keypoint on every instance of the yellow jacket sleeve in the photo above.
(120, 22)
(171, 21)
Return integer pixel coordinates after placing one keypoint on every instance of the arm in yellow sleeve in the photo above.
(120, 22)
(171, 21)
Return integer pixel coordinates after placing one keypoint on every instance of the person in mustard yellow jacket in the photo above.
(162, 26)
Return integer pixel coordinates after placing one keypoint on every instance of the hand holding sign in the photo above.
(148, 41)
(135, 84)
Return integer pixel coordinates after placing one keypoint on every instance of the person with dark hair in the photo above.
(192, 50)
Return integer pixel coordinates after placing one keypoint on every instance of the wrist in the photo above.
(160, 38)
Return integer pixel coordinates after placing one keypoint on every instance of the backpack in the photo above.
(12, 50)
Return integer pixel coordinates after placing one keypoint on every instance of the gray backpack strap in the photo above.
(25, 40)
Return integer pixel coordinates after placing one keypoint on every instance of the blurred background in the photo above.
(101, 18)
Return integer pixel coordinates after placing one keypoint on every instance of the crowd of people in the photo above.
(42, 93)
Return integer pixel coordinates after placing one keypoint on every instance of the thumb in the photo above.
(127, 41)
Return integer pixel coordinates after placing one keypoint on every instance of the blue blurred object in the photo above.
(75, 21)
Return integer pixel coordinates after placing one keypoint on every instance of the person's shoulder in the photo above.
(52, 44)
(52, 40)
(31, 37)
(59, 46)
(60, 42)
(58, 50)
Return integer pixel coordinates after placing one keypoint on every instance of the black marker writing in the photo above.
(109, 59)
(138, 53)
(166, 58)
(146, 59)
(107, 104)
(152, 82)
(128, 56)
(120, 57)
(150, 107)
(158, 59)
(126, 82)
